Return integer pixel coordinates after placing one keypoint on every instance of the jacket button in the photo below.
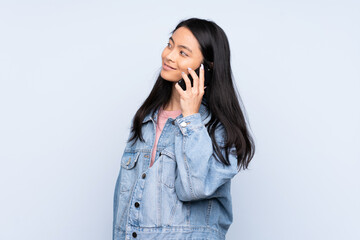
(134, 234)
(143, 175)
(173, 122)
(137, 204)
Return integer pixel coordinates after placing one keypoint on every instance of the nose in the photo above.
(169, 57)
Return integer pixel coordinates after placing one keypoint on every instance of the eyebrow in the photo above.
(182, 46)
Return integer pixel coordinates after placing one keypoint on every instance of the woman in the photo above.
(185, 146)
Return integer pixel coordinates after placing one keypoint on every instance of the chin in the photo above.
(168, 78)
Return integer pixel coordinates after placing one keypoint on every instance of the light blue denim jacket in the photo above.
(186, 192)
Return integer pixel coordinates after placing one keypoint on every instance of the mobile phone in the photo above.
(207, 76)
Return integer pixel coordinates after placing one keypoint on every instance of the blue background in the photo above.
(73, 73)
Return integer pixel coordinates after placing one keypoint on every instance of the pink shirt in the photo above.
(162, 118)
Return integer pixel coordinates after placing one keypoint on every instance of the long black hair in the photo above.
(221, 98)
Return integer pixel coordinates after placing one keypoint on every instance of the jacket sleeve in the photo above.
(199, 175)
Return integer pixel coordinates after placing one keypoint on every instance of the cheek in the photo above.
(183, 66)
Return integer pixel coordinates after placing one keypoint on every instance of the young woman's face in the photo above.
(181, 52)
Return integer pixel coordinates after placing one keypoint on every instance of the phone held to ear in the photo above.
(207, 75)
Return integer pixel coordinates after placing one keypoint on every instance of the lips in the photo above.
(169, 66)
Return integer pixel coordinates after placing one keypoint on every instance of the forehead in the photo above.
(183, 36)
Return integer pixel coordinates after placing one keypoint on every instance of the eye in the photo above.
(167, 44)
(183, 53)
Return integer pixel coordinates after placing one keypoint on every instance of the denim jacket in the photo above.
(185, 194)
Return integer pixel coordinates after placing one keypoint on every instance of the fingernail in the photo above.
(182, 73)
(189, 68)
(202, 66)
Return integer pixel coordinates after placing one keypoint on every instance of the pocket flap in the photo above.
(129, 159)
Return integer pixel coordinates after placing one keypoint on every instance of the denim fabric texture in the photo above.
(186, 192)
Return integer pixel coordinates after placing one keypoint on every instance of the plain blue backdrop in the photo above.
(73, 73)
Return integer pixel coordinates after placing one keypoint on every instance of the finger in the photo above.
(195, 80)
(202, 77)
(179, 89)
(187, 82)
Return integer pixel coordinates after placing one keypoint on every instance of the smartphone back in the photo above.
(207, 75)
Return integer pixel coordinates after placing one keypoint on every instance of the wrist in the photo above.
(188, 114)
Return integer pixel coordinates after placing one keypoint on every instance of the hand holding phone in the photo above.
(207, 75)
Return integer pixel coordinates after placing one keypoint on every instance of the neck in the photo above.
(174, 103)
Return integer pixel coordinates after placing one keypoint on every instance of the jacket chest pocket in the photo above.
(129, 171)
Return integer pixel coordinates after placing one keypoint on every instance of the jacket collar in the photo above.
(203, 112)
